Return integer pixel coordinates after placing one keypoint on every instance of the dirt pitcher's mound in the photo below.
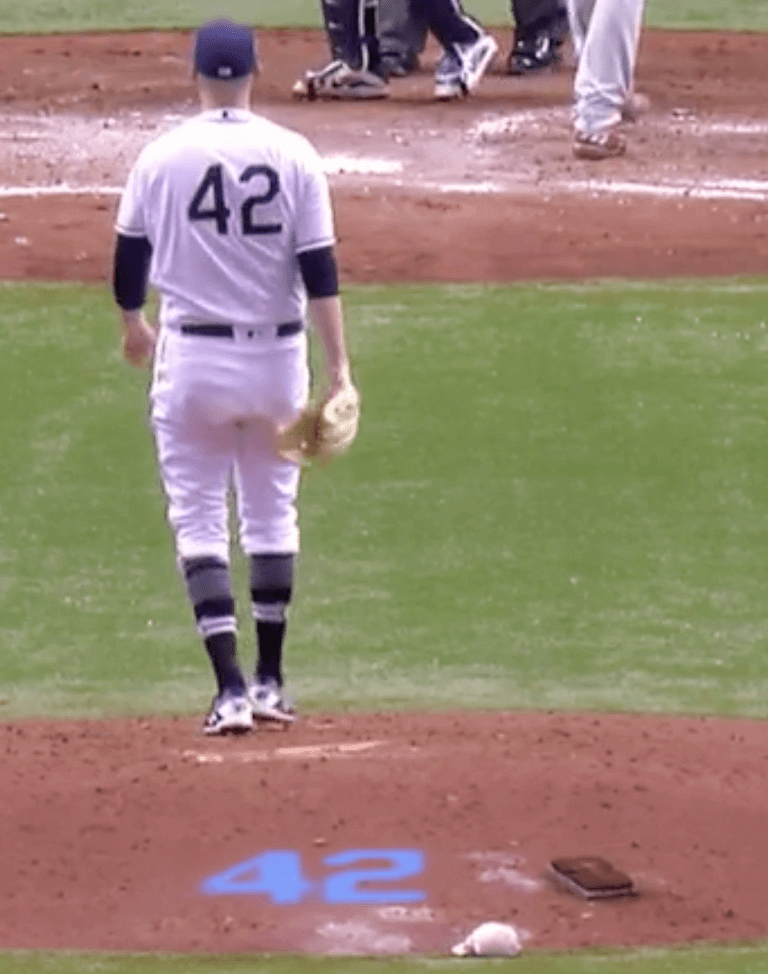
(379, 834)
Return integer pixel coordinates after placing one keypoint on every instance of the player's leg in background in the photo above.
(579, 14)
(469, 48)
(402, 37)
(541, 27)
(355, 67)
(605, 75)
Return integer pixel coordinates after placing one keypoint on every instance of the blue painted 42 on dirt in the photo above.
(280, 875)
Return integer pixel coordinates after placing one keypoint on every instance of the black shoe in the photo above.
(560, 28)
(393, 64)
(533, 53)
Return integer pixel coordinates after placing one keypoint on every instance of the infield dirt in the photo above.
(484, 190)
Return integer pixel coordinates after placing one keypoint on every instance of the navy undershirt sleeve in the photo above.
(131, 271)
(319, 272)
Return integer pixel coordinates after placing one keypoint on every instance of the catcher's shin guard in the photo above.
(355, 71)
(352, 28)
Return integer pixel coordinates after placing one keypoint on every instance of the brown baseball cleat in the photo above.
(607, 144)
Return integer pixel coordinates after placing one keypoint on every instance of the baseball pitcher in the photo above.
(229, 217)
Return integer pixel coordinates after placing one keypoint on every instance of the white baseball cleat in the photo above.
(475, 60)
(229, 714)
(269, 703)
(338, 80)
(460, 70)
(448, 85)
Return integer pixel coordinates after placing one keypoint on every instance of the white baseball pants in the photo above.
(214, 403)
(605, 36)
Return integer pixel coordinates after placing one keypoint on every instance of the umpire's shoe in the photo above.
(269, 703)
(229, 714)
(338, 80)
(534, 52)
(396, 64)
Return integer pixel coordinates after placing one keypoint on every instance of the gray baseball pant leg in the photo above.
(402, 32)
(605, 36)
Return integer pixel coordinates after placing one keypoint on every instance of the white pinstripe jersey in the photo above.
(227, 200)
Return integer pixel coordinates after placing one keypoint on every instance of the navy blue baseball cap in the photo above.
(225, 50)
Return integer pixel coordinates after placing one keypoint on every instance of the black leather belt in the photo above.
(227, 331)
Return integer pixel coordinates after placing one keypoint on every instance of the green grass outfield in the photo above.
(557, 499)
(80, 15)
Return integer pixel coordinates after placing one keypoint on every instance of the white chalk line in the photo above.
(10, 192)
(709, 189)
(730, 128)
(339, 165)
(336, 165)
(712, 188)
(298, 752)
(746, 190)
(534, 120)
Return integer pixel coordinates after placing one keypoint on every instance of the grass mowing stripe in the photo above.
(47, 16)
(556, 500)
(707, 959)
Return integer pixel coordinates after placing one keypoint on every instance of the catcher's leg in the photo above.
(355, 69)
(469, 49)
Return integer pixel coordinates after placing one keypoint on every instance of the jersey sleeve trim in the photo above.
(128, 232)
(315, 244)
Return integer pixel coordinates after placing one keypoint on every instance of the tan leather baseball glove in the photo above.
(322, 431)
